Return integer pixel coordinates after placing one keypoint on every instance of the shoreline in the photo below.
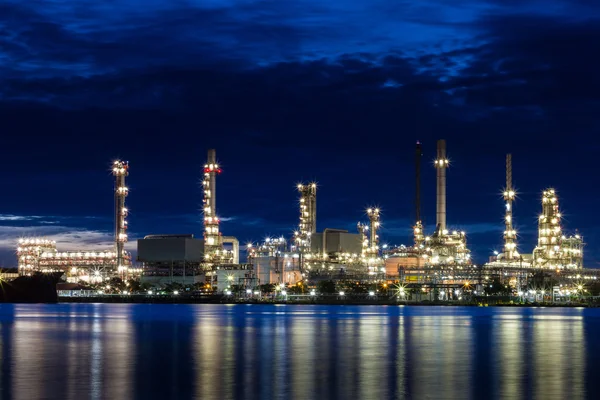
(326, 302)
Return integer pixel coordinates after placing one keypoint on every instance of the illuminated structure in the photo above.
(510, 234)
(372, 253)
(308, 219)
(370, 259)
(29, 252)
(120, 171)
(271, 247)
(555, 250)
(214, 253)
(41, 255)
(509, 257)
(363, 231)
(273, 263)
(445, 247)
(212, 237)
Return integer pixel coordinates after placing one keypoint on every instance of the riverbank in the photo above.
(220, 299)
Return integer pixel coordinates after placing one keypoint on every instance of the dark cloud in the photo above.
(336, 91)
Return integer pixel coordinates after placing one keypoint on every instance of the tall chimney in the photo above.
(441, 163)
(418, 155)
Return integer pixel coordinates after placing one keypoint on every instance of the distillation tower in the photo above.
(372, 253)
(547, 253)
(555, 250)
(120, 171)
(308, 218)
(510, 234)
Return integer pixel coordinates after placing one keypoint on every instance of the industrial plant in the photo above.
(440, 261)
(42, 255)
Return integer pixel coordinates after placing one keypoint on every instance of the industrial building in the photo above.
(273, 262)
(171, 259)
(332, 242)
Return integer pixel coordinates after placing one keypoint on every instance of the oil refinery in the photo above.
(439, 261)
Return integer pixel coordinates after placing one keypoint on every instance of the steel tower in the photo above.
(510, 235)
(120, 171)
(212, 238)
(308, 216)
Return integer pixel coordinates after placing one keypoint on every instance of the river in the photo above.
(156, 351)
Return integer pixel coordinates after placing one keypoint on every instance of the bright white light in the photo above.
(312, 293)
(228, 293)
(371, 293)
(283, 292)
(149, 291)
(249, 291)
(341, 293)
(176, 292)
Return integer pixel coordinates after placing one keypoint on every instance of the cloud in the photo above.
(265, 74)
(10, 217)
(68, 238)
(83, 39)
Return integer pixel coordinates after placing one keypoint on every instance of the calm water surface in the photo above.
(110, 351)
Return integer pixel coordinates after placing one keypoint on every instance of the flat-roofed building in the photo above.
(171, 258)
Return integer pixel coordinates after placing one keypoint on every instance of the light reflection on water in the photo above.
(109, 351)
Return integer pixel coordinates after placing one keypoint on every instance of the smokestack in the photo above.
(441, 163)
(418, 155)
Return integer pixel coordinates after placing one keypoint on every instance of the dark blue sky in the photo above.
(335, 91)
